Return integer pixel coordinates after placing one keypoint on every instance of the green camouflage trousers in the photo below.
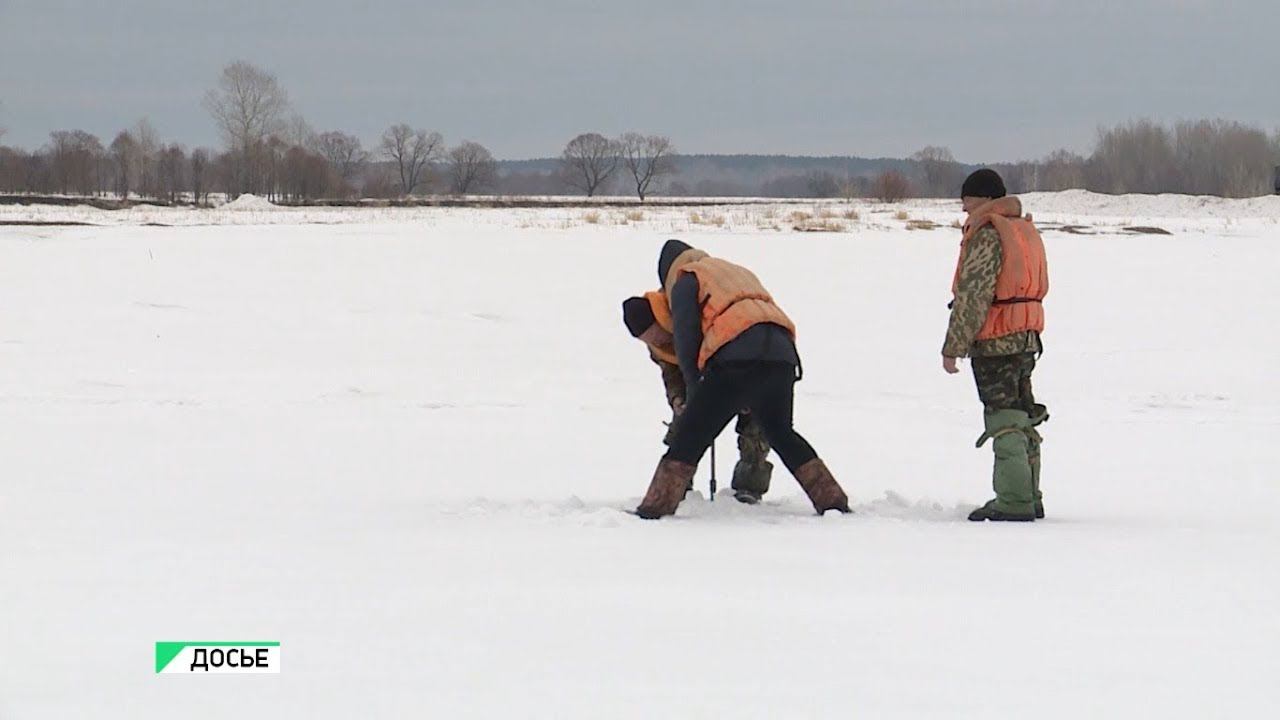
(753, 448)
(752, 473)
(1004, 383)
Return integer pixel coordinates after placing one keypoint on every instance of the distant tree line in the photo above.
(1193, 157)
(269, 150)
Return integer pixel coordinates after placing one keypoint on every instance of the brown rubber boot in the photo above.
(823, 490)
(667, 489)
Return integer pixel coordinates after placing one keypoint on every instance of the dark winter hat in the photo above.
(985, 183)
(670, 251)
(638, 315)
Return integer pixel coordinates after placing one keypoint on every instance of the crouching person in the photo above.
(735, 349)
(648, 319)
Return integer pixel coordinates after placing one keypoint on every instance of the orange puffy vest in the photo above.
(732, 300)
(1024, 272)
(662, 314)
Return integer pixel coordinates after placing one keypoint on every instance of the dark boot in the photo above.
(751, 481)
(989, 512)
(823, 490)
(666, 490)
(752, 473)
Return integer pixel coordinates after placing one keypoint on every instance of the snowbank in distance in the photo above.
(249, 201)
(1083, 202)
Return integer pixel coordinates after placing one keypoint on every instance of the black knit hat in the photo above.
(984, 183)
(670, 251)
(638, 315)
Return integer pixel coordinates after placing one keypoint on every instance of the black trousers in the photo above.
(766, 389)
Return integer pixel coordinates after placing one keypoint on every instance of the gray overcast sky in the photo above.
(993, 80)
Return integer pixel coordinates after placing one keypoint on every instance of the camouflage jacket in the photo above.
(672, 379)
(974, 292)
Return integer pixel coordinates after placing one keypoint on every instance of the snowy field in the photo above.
(400, 443)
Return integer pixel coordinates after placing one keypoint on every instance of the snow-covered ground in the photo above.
(399, 442)
(1182, 213)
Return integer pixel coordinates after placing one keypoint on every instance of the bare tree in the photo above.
(891, 186)
(1220, 157)
(36, 174)
(223, 171)
(379, 183)
(124, 156)
(306, 175)
(248, 104)
(471, 168)
(1019, 177)
(149, 147)
(852, 188)
(60, 149)
(272, 156)
(322, 181)
(587, 162)
(1137, 157)
(412, 151)
(344, 153)
(171, 171)
(294, 180)
(1061, 170)
(73, 158)
(1275, 160)
(647, 158)
(821, 184)
(200, 175)
(297, 132)
(942, 174)
(10, 164)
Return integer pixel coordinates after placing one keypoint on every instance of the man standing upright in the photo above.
(736, 349)
(997, 316)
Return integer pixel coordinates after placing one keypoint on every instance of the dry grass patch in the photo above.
(592, 218)
(709, 219)
(817, 225)
(921, 225)
(852, 215)
(634, 216)
(902, 215)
